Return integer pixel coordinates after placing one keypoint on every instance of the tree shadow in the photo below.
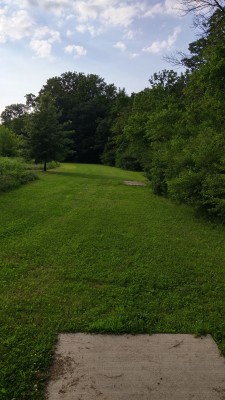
(86, 175)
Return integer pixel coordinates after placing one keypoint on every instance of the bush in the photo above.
(186, 187)
(13, 173)
(9, 143)
(128, 162)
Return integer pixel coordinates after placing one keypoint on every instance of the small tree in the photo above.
(48, 140)
(9, 142)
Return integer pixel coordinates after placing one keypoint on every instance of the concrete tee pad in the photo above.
(134, 183)
(142, 367)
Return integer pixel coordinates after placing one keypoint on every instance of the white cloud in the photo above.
(104, 3)
(19, 20)
(70, 16)
(57, 7)
(42, 41)
(85, 11)
(91, 29)
(173, 7)
(43, 31)
(16, 26)
(133, 55)
(75, 49)
(122, 15)
(20, 25)
(154, 10)
(42, 48)
(169, 7)
(120, 45)
(69, 33)
(158, 46)
(130, 34)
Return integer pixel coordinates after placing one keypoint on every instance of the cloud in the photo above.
(56, 7)
(158, 46)
(169, 7)
(42, 48)
(122, 15)
(154, 10)
(16, 26)
(173, 7)
(131, 34)
(75, 49)
(21, 20)
(42, 40)
(91, 16)
(42, 32)
(91, 29)
(20, 25)
(85, 11)
(69, 33)
(134, 55)
(120, 45)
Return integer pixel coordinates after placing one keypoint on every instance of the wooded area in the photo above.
(173, 130)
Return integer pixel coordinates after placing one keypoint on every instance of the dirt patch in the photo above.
(142, 367)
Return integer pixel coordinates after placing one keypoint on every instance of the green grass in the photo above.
(81, 252)
(35, 167)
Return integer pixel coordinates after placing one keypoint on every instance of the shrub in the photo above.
(128, 162)
(13, 173)
(9, 143)
(186, 187)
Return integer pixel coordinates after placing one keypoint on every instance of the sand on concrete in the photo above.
(141, 367)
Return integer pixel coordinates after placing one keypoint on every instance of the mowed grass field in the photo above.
(82, 252)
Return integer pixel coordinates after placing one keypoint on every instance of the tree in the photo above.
(209, 16)
(31, 101)
(116, 150)
(14, 117)
(203, 6)
(9, 143)
(13, 111)
(48, 140)
(86, 101)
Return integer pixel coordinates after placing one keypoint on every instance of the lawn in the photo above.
(81, 252)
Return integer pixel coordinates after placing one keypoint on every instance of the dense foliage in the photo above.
(47, 139)
(174, 130)
(13, 173)
(10, 143)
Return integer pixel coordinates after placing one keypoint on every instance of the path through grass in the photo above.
(79, 251)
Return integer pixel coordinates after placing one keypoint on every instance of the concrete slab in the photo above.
(134, 183)
(142, 367)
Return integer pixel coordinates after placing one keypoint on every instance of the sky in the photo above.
(123, 42)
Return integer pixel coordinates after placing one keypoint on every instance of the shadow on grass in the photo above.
(86, 175)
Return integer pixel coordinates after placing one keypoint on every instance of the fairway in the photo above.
(82, 252)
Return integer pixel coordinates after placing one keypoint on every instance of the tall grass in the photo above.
(13, 173)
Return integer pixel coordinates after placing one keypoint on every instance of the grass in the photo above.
(35, 166)
(81, 252)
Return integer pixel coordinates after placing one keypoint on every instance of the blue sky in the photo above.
(122, 41)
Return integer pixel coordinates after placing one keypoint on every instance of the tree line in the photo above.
(174, 130)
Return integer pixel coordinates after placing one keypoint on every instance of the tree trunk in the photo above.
(45, 166)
